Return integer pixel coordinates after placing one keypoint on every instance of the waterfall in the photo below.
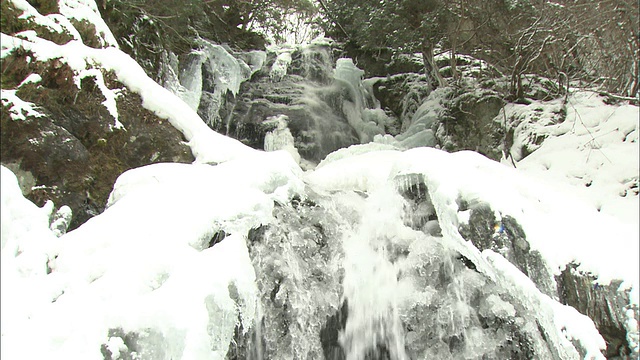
(371, 289)
(371, 254)
(326, 101)
(370, 262)
(210, 76)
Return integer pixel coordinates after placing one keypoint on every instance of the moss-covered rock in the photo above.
(74, 152)
(469, 124)
(12, 23)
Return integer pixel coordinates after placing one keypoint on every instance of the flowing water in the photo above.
(351, 275)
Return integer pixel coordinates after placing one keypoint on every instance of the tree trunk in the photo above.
(517, 92)
(431, 70)
(453, 64)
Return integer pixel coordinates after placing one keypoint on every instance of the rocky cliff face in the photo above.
(57, 132)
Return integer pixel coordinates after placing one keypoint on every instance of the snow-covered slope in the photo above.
(593, 148)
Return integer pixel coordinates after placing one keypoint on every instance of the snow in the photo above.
(103, 277)
(109, 95)
(593, 153)
(207, 146)
(54, 22)
(18, 109)
(87, 11)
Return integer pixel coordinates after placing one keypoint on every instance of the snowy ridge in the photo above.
(207, 146)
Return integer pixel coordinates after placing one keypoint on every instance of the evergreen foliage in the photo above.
(592, 42)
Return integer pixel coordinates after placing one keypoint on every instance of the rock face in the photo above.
(506, 237)
(402, 95)
(469, 124)
(306, 93)
(66, 142)
(604, 304)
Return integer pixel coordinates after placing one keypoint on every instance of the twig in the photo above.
(619, 97)
(593, 139)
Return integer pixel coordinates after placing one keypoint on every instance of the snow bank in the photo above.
(27, 245)
(593, 153)
(145, 266)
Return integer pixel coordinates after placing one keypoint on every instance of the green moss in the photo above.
(45, 7)
(12, 24)
(88, 33)
(9, 22)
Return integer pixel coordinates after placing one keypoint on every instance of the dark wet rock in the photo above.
(462, 309)
(330, 334)
(217, 237)
(420, 214)
(246, 344)
(402, 94)
(306, 95)
(605, 304)
(382, 61)
(314, 63)
(507, 238)
(373, 61)
(469, 124)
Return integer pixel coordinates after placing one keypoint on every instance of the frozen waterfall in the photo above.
(361, 259)
(323, 246)
(328, 104)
